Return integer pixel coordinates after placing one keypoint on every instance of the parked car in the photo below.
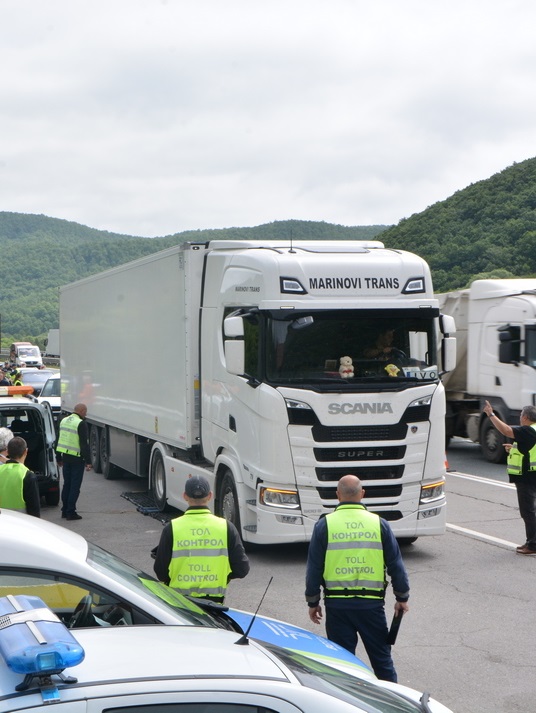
(51, 392)
(37, 378)
(88, 586)
(35, 423)
(183, 670)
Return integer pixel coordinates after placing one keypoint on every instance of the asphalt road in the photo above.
(469, 636)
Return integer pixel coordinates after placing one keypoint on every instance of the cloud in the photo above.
(150, 118)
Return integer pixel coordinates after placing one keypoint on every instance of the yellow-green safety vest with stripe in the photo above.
(354, 564)
(11, 486)
(69, 441)
(514, 461)
(199, 563)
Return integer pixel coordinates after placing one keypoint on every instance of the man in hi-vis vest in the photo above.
(198, 552)
(72, 453)
(18, 485)
(521, 466)
(350, 551)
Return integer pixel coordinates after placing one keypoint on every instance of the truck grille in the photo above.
(359, 454)
(327, 434)
(378, 491)
(382, 472)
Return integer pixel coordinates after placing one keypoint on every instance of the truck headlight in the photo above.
(275, 497)
(432, 491)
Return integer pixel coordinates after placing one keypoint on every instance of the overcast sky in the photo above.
(150, 117)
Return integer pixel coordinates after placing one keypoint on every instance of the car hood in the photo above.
(294, 638)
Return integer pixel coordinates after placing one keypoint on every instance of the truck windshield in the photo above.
(351, 347)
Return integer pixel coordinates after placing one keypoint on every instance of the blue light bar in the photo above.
(33, 641)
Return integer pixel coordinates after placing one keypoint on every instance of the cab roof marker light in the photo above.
(415, 285)
(290, 285)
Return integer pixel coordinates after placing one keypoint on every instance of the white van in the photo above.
(25, 354)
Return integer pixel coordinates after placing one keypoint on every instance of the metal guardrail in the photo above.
(47, 361)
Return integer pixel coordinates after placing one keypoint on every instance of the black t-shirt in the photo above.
(525, 437)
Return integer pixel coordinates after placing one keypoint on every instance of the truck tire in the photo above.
(94, 448)
(110, 471)
(52, 498)
(491, 443)
(158, 481)
(228, 501)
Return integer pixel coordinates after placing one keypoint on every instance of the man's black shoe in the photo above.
(63, 514)
(76, 516)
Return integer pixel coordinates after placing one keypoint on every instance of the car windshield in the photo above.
(363, 694)
(185, 611)
(28, 351)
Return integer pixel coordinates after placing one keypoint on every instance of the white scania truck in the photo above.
(244, 385)
(496, 340)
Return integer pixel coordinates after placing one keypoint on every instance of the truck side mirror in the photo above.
(447, 324)
(235, 358)
(448, 353)
(509, 344)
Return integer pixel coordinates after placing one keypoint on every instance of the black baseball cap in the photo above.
(197, 487)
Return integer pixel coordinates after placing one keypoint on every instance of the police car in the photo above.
(90, 590)
(171, 670)
(88, 586)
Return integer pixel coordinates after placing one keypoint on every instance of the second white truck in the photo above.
(496, 338)
(269, 382)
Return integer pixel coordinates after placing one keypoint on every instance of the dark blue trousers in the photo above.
(344, 625)
(73, 472)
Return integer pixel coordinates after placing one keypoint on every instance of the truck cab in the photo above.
(33, 421)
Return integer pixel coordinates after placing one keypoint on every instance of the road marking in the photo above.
(480, 479)
(506, 544)
(474, 534)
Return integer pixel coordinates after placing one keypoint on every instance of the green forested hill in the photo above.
(489, 226)
(39, 254)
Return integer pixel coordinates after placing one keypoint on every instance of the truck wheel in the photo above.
(110, 471)
(491, 443)
(52, 498)
(158, 481)
(94, 448)
(228, 501)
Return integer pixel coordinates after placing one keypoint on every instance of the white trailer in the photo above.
(52, 343)
(244, 387)
(496, 337)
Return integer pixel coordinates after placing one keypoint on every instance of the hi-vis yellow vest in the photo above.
(354, 565)
(69, 441)
(199, 563)
(514, 461)
(11, 486)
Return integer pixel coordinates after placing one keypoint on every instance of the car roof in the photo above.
(35, 370)
(151, 658)
(31, 542)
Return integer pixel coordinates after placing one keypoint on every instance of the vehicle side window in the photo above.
(78, 604)
(212, 707)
